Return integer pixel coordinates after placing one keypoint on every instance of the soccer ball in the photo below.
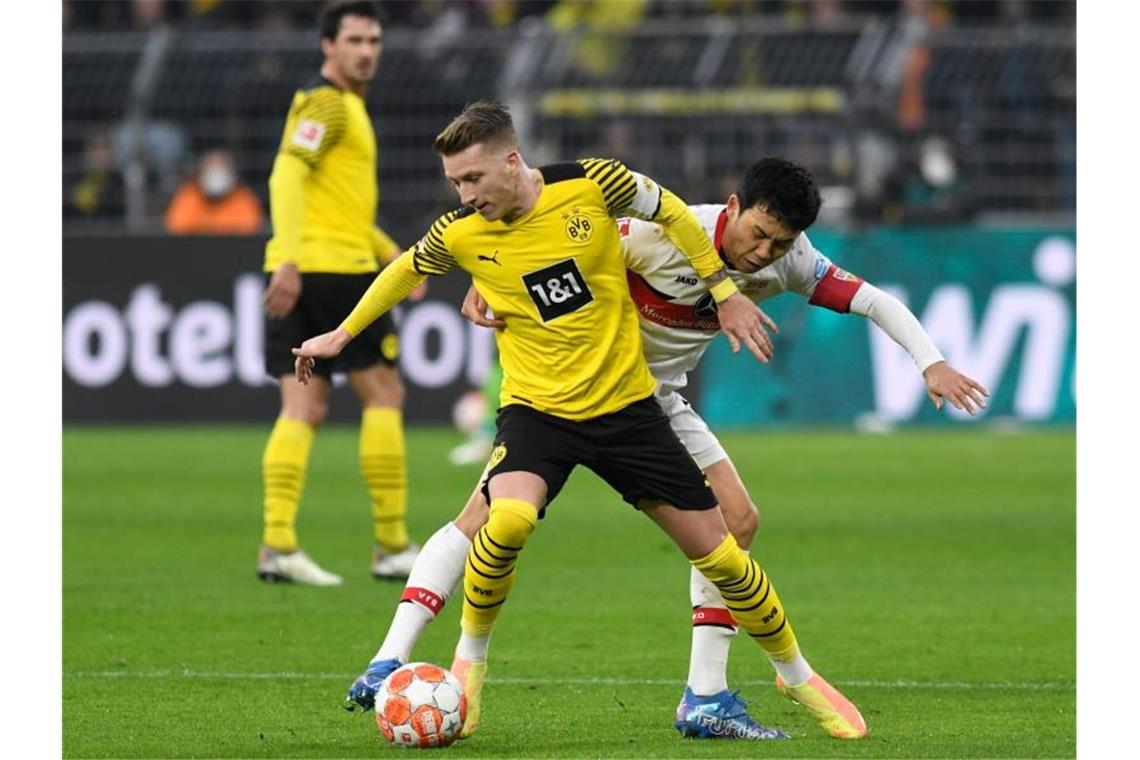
(421, 705)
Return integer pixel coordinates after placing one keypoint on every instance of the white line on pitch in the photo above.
(286, 676)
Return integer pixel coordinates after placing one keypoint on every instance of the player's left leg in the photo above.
(490, 574)
(702, 536)
(714, 628)
(384, 467)
(435, 575)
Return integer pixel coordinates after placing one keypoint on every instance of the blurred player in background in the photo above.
(325, 251)
(543, 245)
(759, 233)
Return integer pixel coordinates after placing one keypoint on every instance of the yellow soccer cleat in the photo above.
(471, 674)
(831, 709)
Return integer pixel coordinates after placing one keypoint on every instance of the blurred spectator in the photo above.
(158, 147)
(601, 24)
(929, 187)
(214, 202)
(98, 194)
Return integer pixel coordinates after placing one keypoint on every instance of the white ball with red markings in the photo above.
(421, 705)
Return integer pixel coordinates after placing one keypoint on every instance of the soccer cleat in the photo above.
(831, 709)
(362, 693)
(471, 674)
(394, 567)
(292, 567)
(720, 716)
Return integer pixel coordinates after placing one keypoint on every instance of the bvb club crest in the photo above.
(497, 456)
(579, 228)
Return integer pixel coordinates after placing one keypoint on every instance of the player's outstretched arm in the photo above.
(945, 382)
(324, 346)
(393, 285)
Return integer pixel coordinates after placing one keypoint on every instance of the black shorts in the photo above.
(326, 299)
(633, 449)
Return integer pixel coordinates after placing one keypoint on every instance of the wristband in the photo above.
(723, 290)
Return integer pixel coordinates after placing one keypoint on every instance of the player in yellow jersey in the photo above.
(542, 246)
(325, 251)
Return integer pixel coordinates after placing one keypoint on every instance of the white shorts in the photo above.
(694, 433)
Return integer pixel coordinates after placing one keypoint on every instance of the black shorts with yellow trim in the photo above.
(325, 300)
(633, 449)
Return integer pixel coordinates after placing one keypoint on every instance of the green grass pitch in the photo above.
(929, 574)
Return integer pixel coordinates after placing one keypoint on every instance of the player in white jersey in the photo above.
(759, 233)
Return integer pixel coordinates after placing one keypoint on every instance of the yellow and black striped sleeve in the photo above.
(618, 183)
(318, 120)
(430, 254)
(629, 193)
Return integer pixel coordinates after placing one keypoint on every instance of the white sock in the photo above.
(435, 575)
(472, 648)
(708, 658)
(794, 672)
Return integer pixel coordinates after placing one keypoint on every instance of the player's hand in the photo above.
(476, 310)
(945, 382)
(419, 292)
(324, 346)
(283, 290)
(744, 322)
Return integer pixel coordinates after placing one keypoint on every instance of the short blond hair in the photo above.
(484, 121)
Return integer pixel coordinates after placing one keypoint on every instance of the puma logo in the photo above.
(493, 258)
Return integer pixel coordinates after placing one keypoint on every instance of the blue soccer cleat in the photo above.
(720, 716)
(362, 693)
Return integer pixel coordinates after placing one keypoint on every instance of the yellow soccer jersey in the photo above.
(572, 344)
(323, 190)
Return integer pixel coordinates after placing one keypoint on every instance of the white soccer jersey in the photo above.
(678, 315)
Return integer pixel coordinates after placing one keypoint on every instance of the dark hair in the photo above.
(784, 189)
(333, 13)
(482, 121)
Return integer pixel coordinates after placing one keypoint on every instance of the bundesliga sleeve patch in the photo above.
(647, 200)
(309, 134)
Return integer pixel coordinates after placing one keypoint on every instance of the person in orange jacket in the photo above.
(214, 202)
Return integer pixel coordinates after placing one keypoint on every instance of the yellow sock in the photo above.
(490, 571)
(382, 462)
(750, 597)
(283, 467)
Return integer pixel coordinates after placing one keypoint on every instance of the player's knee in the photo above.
(390, 393)
(473, 517)
(316, 413)
(743, 522)
(510, 522)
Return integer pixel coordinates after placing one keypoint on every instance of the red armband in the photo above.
(835, 290)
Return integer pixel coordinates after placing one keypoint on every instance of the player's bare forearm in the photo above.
(324, 346)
